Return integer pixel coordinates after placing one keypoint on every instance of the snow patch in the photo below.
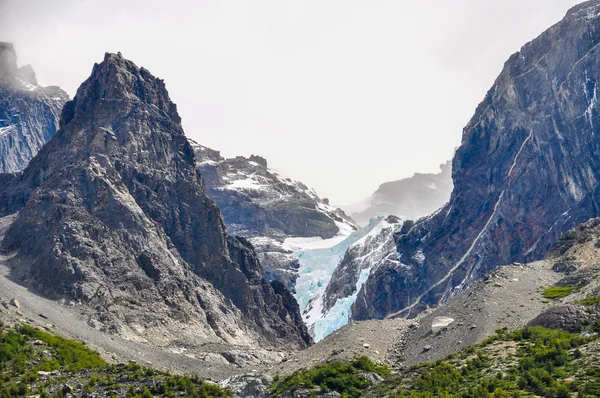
(6, 130)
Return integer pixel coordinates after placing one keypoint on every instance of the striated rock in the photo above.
(527, 170)
(112, 213)
(29, 113)
(409, 198)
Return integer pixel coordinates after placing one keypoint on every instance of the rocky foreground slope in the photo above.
(560, 292)
(526, 171)
(29, 113)
(112, 216)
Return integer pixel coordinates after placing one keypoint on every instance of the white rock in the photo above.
(439, 323)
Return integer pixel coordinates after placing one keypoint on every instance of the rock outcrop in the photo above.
(113, 215)
(29, 114)
(409, 198)
(266, 208)
(526, 171)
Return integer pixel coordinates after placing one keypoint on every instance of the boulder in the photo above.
(439, 323)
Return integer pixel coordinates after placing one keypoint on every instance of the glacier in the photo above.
(320, 260)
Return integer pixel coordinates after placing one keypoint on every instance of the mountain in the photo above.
(409, 198)
(112, 216)
(266, 208)
(527, 170)
(29, 114)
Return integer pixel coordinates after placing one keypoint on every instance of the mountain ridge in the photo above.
(112, 214)
(533, 131)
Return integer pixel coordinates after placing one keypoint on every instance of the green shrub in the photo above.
(589, 300)
(555, 292)
(343, 377)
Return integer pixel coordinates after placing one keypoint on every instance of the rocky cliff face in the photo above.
(527, 170)
(29, 114)
(409, 198)
(113, 214)
(264, 207)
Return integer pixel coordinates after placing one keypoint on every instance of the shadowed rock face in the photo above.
(527, 170)
(114, 214)
(29, 114)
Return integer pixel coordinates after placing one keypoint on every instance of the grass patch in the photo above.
(555, 292)
(544, 362)
(343, 377)
(589, 300)
(25, 351)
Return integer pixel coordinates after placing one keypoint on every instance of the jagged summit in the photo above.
(118, 79)
(112, 213)
(587, 7)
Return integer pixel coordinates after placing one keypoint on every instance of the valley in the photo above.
(180, 272)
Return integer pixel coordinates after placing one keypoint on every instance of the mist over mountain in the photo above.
(410, 198)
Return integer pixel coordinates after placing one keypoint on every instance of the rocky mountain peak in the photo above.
(588, 9)
(128, 215)
(117, 79)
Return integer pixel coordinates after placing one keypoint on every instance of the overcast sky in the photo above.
(340, 94)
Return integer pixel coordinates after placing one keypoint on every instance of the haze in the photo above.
(342, 95)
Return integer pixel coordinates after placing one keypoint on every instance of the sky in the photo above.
(342, 95)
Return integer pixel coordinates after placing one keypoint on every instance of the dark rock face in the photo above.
(527, 170)
(114, 215)
(567, 317)
(266, 208)
(410, 198)
(29, 114)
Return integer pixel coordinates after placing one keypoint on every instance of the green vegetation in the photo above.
(525, 363)
(528, 362)
(343, 377)
(555, 292)
(589, 300)
(36, 362)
